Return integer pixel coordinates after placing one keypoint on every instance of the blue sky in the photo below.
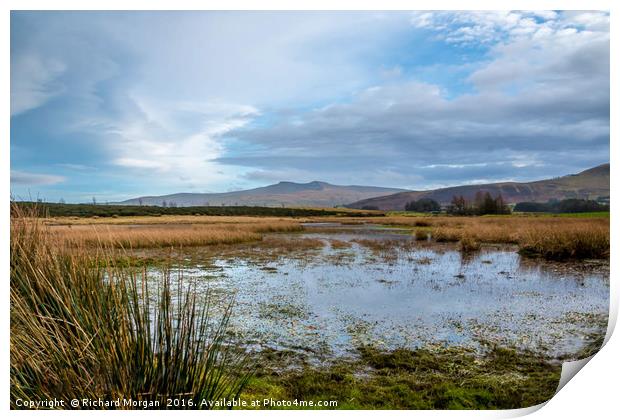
(120, 104)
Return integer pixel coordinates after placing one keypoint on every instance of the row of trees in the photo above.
(483, 203)
(423, 205)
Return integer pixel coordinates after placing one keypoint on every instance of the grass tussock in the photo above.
(421, 234)
(338, 244)
(81, 330)
(287, 244)
(469, 244)
(567, 243)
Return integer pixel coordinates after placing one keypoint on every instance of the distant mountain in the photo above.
(311, 194)
(590, 184)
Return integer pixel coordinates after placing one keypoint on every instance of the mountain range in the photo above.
(287, 194)
(591, 184)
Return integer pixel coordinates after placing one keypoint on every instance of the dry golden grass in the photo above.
(573, 241)
(338, 244)
(165, 220)
(143, 235)
(550, 237)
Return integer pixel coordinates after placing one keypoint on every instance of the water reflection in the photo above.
(332, 300)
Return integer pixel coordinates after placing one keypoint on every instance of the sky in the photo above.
(115, 105)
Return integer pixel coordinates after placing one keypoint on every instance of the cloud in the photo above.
(32, 179)
(155, 92)
(76, 167)
(177, 141)
(167, 101)
(34, 81)
(139, 163)
(540, 107)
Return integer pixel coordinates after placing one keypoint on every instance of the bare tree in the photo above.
(140, 201)
(94, 201)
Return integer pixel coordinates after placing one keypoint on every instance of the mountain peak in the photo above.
(314, 193)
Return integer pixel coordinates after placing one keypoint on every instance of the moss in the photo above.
(418, 379)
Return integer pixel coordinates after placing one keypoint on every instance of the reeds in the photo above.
(166, 235)
(80, 331)
(567, 243)
(537, 236)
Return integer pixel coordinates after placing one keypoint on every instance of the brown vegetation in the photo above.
(142, 234)
(548, 237)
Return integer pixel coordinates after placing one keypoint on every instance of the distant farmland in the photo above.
(90, 210)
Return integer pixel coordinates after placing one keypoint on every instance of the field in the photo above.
(81, 286)
(113, 211)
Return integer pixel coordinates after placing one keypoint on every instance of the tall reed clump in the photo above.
(570, 242)
(82, 331)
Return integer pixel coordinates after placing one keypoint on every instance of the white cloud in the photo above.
(139, 163)
(34, 81)
(489, 27)
(178, 141)
(32, 179)
(76, 167)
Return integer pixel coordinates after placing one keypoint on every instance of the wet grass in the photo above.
(435, 378)
(338, 244)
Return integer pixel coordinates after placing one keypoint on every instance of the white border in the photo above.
(591, 394)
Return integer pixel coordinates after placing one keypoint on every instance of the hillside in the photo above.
(311, 194)
(589, 184)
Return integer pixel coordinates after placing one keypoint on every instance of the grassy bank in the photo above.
(435, 378)
(82, 330)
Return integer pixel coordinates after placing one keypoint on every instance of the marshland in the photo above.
(371, 311)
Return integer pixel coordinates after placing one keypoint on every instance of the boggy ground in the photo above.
(429, 378)
(424, 378)
(554, 238)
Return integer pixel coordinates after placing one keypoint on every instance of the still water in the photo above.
(331, 300)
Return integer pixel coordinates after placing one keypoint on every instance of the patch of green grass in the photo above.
(421, 379)
(585, 215)
(408, 213)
